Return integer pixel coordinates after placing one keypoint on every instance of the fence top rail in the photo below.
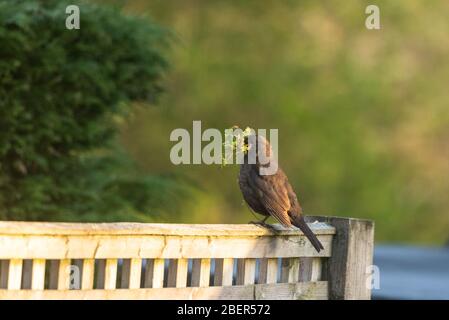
(165, 229)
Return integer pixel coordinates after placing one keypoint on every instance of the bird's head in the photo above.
(246, 140)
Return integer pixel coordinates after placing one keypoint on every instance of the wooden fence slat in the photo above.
(293, 274)
(4, 267)
(301, 290)
(181, 274)
(262, 276)
(131, 273)
(246, 271)
(15, 274)
(285, 268)
(250, 271)
(53, 275)
(135, 273)
(171, 273)
(100, 273)
(158, 273)
(27, 273)
(205, 273)
(148, 276)
(64, 274)
(240, 276)
(88, 274)
(268, 270)
(110, 275)
(196, 273)
(76, 274)
(305, 269)
(38, 274)
(290, 270)
(177, 273)
(200, 272)
(272, 270)
(224, 269)
(316, 269)
(126, 271)
(218, 272)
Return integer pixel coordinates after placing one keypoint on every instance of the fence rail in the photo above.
(41, 260)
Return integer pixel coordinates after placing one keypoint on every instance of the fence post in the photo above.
(347, 270)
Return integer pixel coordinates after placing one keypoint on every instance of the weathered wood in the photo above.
(131, 273)
(292, 291)
(268, 270)
(165, 229)
(349, 256)
(15, 274)
(76, 276)
(171, 273)
(27, 273)
(181, 274)
(4, 267)
(246, 271)
(100, 273)
(53, 273)
(262, 276)
(177, 273)
(64, 274)
(88, 274)
(158, 273)
(110, 275)
(305, 269)
(126, 271)
(195, 273)
(240, 276)
(310, 269)
(290, 270)
(200, 272)
(315, 290)
(285, 270)
(223, 273)
(38, 274)
(272, 270)
(169, 247)
(316, 269)
(352, 254)
(148, 275)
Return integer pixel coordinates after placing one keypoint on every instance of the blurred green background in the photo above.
(363, 115)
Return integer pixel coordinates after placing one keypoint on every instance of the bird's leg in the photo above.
(262, 223)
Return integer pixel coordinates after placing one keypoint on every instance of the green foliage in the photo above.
(62, 93)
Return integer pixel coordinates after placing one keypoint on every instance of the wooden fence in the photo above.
(184, 261)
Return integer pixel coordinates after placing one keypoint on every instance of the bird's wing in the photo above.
(294, 203)
(272, 195)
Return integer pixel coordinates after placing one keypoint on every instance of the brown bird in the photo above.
(271, 195)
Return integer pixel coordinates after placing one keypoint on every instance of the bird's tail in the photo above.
(298, 221)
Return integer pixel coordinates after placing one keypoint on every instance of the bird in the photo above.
(271, 195)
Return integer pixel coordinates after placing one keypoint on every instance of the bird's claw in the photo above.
(262, 224)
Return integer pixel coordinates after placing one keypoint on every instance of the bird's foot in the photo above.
(263, 224)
